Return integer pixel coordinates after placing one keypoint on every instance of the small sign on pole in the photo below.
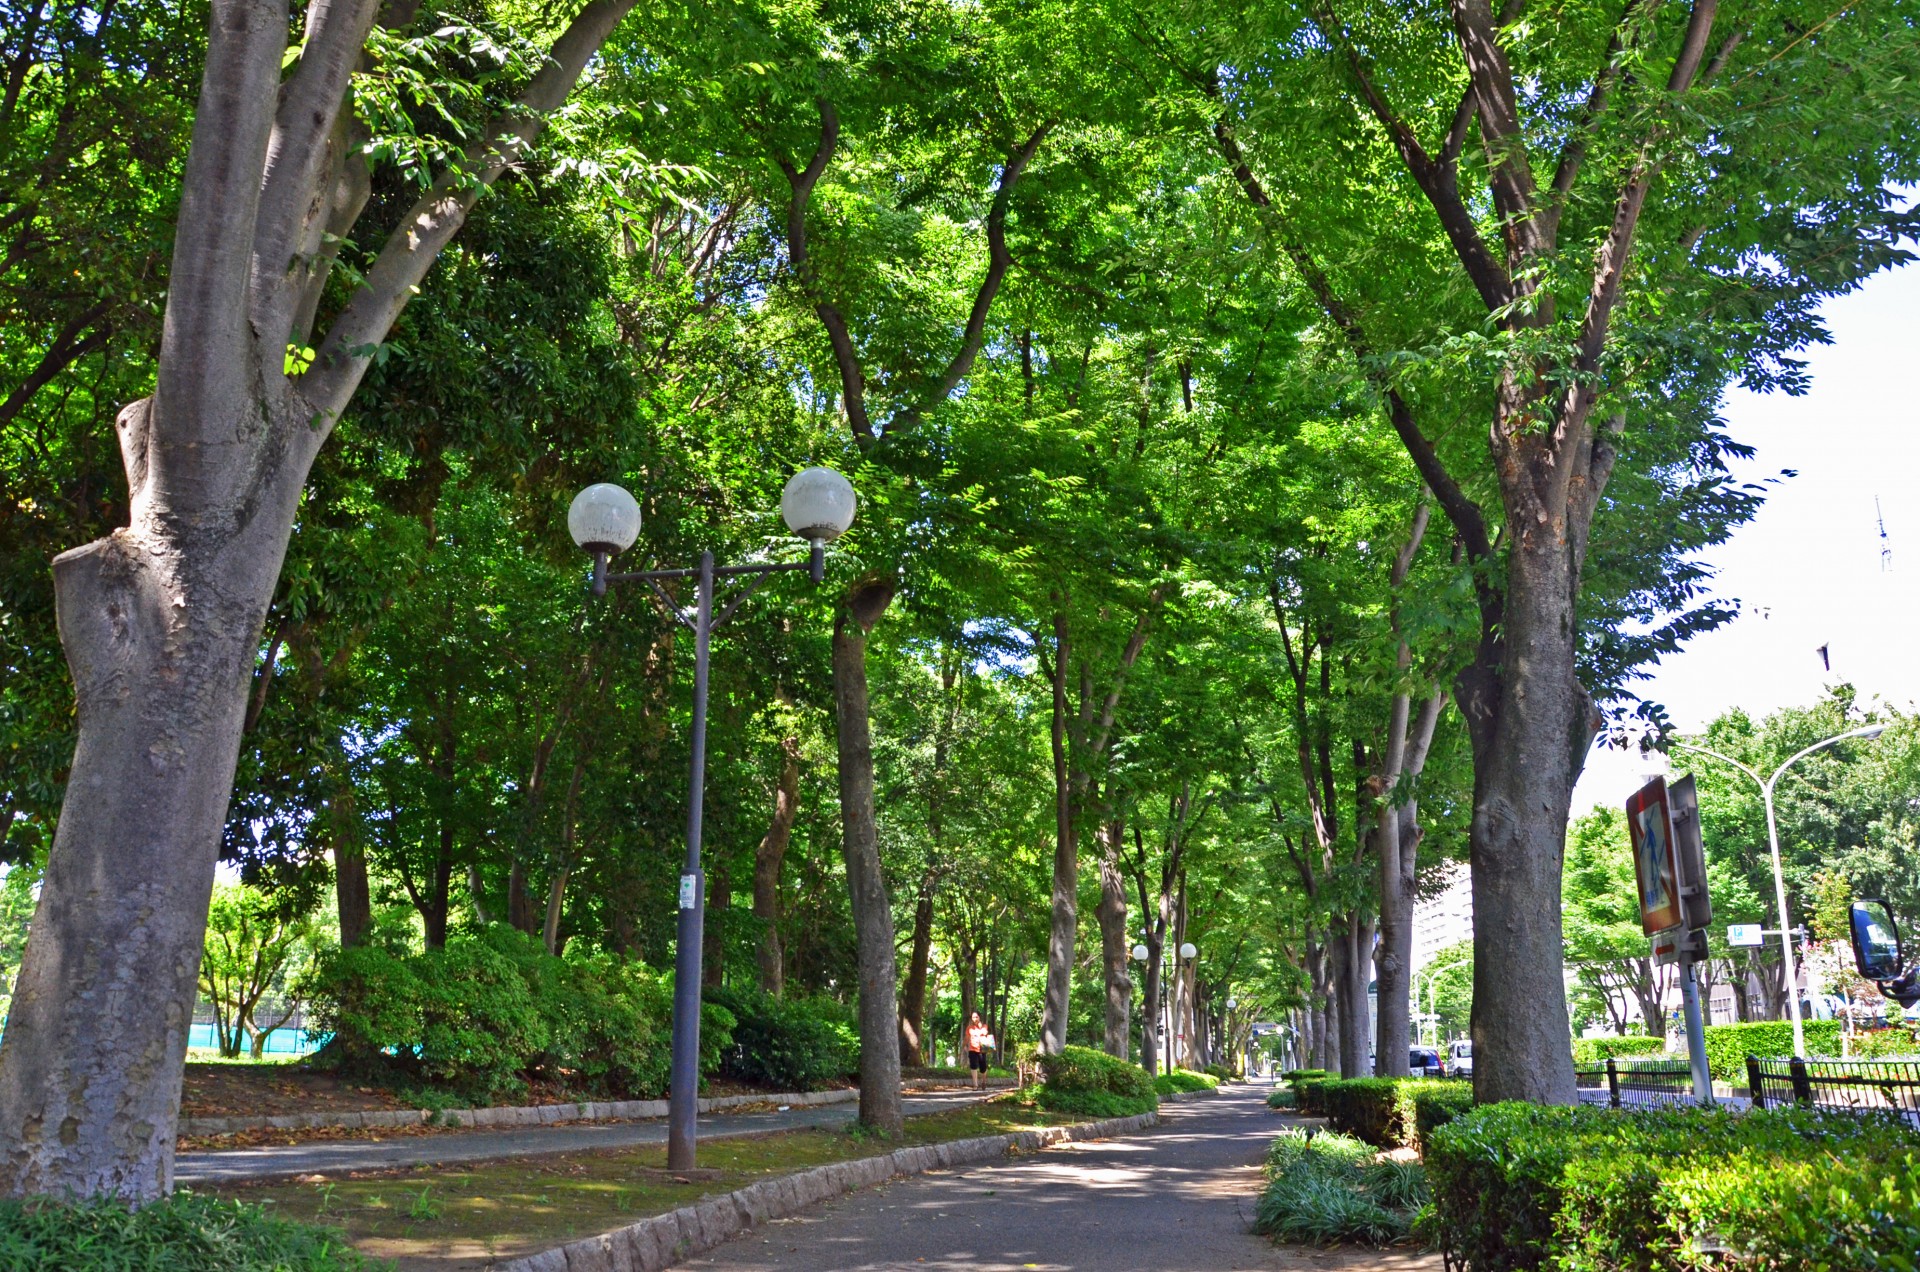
(1655, 864)
(1744, 934)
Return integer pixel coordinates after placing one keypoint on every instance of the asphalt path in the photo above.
(1177, 1198)
(339, 1157)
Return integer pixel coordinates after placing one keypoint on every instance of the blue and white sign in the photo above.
(1743, 934)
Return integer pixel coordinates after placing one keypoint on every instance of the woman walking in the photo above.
(978, 1040)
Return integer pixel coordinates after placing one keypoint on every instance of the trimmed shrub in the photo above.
(1220, 1073)
(181, 1233)
(1306, 1091)
(493, 1008)
(1728, 1046)
(1183, 1081)
(1327, 1188)
(1280, 1098)
(1384, 1111)
(787, 1044)
(1592, 1051)
(1884, 1044)
(1519, 1186)
(1094, 1084)
(1437, 1103)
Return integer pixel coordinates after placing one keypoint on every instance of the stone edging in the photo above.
(658, 1243)
(522, 1115)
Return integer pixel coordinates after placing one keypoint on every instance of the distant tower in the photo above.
(1886, 545)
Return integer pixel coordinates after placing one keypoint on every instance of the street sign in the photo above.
(1689, 855)
(1655, 863)
(1744, 934)
(1676, 943)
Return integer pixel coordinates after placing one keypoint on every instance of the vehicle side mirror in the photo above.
(1876, 941)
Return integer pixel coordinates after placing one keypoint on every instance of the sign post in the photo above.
(1669, 864)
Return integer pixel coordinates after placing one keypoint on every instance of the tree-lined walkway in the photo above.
(1175, 1199)
(232, 1165)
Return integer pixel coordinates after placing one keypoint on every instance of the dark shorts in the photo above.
(977, 1060)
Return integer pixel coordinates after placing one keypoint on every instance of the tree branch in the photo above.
(998, 262)
(433, 220)
(853, 383)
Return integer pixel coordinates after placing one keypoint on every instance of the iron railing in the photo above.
(1850, 1086)
(1637, 1083)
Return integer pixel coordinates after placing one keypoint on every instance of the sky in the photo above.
(1808, 569)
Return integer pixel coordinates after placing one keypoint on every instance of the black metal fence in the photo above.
(1636, 1082)
(1850, 1086)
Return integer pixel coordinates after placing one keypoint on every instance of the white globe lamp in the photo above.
(818, 504)
(604, 518)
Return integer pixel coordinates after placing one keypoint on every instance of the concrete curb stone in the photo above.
(655, 1244)
(503, 1115)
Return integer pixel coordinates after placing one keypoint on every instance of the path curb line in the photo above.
(524, 1115)
(658, 1243)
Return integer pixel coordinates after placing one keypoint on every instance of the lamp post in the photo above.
(818, 505)
(1432, 972)
(1773, 845)
(1149, 1054)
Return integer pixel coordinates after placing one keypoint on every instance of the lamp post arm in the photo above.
(1725, 759)
(1801, 754)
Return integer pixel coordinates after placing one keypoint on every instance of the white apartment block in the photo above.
(1445, 917)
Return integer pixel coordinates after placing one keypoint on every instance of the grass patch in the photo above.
(1327, 1188)
(469, 1213)
(1181, 1081)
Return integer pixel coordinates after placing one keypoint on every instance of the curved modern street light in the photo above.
(818, 505)
(1773, 844)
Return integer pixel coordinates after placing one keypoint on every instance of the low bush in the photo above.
(1280, 1098)
(1437, 1103)
(182, 1233)
(788, 1044)
(1519, 1186)
(1184, 1080)
(1220, 1073)
(1094, 1084)
(1327, 1188)
(494, 1008)
(1384, 1111)
(1880, 1044)
(1592, 1051)
(1306, 1089)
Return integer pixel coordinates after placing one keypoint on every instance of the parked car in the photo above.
(1460, 1060)
(1425, 1062)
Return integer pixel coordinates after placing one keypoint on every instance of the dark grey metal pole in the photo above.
(684, 1082)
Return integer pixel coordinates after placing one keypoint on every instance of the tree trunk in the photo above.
(352, 896)
(1113, 946)
(1066, 861)
(1523, 787)
(161, 625)
(713, 944)
(1150, 1008)
(767, 860)
(872, 913)
(521, 914)
(913, 995)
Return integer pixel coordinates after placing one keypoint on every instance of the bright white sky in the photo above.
(1808, 568)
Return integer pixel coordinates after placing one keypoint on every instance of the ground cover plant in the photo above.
(183, 1233)
(1329, 1187)
(1520, 1186)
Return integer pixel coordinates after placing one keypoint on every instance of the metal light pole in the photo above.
(1432, 972)
(1773, 845)
(818, 505)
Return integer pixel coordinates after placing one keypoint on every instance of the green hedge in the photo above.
(788, 1044)
(1437, 1103)
(494, 1007)
(1183, 1081)
(1591, 1051)
(1728, 1046)
(1518, 1186)
(1220, 1072)
(183, 1233)
(1384, 1111)
(1306, 1084)
(1094, 1084)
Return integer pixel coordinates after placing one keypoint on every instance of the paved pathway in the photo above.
(337, 1157)
(1178, 1198)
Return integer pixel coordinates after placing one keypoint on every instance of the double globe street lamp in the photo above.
(818, 505)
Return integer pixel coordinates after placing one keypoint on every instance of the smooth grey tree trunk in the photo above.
(1064, 909)
(913, 994)
(767, 860)
(161, 620)
(866, 882)
(1114, 946)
